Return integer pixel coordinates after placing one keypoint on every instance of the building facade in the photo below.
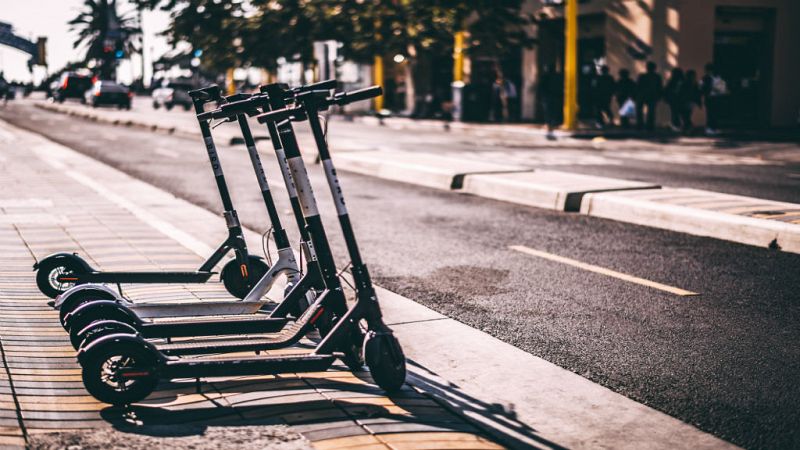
(754, 45)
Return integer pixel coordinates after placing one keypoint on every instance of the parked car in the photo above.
(172, 93)
(71, 85)
(104, 92)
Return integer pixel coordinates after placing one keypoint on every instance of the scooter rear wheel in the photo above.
(385, 359)
(234, 281)
(100, 329)
(48, 273)
(101, 377)
(77, 299)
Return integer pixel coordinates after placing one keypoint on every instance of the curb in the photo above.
(548, 189)
(128, 123)
(703, 213)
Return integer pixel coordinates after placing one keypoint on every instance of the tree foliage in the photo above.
(103, 31)
(259, 32)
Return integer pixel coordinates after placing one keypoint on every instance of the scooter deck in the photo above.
(213, 327)
(141, 277)
(285, 338)
(259, 365)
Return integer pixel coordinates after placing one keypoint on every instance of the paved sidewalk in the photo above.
(467, 389)
(45, 206)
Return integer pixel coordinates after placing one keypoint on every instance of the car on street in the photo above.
(105, 92)
(71, 85)
(172, 93)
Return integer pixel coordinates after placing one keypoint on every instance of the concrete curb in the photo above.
(701, 213)
(424, 169)
(115, 121)
(546, 189)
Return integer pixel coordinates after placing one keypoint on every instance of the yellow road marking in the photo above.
(603, 271)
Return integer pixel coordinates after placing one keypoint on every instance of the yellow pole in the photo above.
(378, 76)
(230, 86)
(458, 57)
(571, 66)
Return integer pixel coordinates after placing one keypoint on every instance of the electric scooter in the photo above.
(123, 368)
(96, 318)
(59, 271)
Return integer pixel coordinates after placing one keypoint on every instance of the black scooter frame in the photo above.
(71, 269)
(123, 384)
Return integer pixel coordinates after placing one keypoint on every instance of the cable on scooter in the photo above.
(265, 245)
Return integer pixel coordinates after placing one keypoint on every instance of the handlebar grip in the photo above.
(361, 94)
(279, 115)
(320, 86)
(210, 93)
(245, 106)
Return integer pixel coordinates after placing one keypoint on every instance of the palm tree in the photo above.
(105, 33)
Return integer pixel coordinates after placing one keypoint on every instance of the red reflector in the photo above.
(316, 316)
(135, 374)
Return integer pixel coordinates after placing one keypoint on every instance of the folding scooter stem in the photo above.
(146, 364)
(308, 205)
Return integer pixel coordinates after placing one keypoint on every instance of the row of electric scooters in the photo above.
(124, 350)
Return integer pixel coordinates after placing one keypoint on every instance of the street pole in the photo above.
(378, 75)
(571, 66)
(457, 85)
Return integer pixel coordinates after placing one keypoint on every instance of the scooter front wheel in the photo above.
(385, 359)
(233, 276)
(51, 273)
(103, 378)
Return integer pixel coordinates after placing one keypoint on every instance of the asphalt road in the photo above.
(726, 360)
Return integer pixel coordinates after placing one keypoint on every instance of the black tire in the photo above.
(155, 105)
(302, 304)
(99, 364)
(50, 269)
(78, 299)
(100, 329)
(187, 107)
(237, 285)
(89, 315)
(168, 106)
(385, 359)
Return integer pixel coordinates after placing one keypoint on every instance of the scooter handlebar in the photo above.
(279, 115)
(345, 98)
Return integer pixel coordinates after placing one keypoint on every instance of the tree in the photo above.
(107, 35)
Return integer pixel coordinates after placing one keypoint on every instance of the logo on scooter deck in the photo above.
(212, 156)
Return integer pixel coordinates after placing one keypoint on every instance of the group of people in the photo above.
(638, 99)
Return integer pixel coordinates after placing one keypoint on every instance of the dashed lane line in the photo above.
(603, 271)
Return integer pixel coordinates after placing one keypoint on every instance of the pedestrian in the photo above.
(672, 95)
(689, 97)
(625, 90)
(499, 104)
(649, 88)
(512, 100)
(713, 88)
(548, 93)
(603, 92)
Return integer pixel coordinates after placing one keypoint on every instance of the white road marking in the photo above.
(603, 271)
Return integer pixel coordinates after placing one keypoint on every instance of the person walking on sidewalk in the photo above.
(649, 89)
(603, 92)
(713, 88)
(672, 95)
(689, 96)
(548, 93)
(625, 91)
